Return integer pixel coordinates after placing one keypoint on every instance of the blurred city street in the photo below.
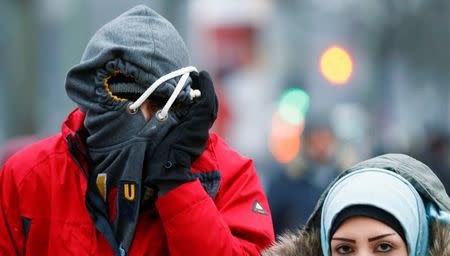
(307, 88)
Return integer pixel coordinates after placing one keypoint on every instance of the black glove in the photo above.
(170, 165)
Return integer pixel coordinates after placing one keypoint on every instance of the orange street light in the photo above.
(336, 65)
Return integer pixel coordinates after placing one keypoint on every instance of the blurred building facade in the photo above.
(398, 89)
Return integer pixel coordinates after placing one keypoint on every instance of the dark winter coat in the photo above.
(306, 241)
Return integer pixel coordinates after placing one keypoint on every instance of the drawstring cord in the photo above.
(162, 114)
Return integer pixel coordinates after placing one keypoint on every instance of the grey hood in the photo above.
(306, 241)
(126, 55)
(418, 174)
(140, 44)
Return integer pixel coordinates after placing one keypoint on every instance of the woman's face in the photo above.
(360, 236)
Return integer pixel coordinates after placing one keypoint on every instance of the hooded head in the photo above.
(381, 190)
(126, 56)
(121, 61)
(422, 193)
(123, 58)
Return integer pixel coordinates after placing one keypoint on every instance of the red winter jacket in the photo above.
(43, 212)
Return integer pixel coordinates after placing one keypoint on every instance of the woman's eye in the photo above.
(344, 249)
(384, 247)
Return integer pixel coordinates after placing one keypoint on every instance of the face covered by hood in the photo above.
(423, 209)
(125, 57)
(121, 61)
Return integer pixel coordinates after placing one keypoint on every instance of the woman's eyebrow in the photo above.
(379, 237)
(344, 239)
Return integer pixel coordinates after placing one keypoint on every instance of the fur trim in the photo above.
(307, 243)
(298, 243)
(439, 239)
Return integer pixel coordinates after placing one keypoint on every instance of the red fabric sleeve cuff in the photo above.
(180, 199)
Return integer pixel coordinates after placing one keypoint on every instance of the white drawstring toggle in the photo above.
(163, 113)
(194, 93)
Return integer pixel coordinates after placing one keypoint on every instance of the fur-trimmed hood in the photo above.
(307, 242)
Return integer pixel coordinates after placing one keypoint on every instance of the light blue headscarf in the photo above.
(385, 190)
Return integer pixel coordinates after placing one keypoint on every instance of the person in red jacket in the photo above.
(134, 170)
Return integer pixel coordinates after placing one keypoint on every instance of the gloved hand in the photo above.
(172, 158)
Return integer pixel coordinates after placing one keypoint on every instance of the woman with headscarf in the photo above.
(391, 205)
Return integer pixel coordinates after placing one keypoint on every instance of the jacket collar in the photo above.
(70, 131)
(73, 123)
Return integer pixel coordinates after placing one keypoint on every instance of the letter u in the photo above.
(128, 191)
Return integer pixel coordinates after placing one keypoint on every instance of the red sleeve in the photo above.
(230, 225)
(11, 229)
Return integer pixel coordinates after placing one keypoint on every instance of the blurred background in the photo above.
(307, 87)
